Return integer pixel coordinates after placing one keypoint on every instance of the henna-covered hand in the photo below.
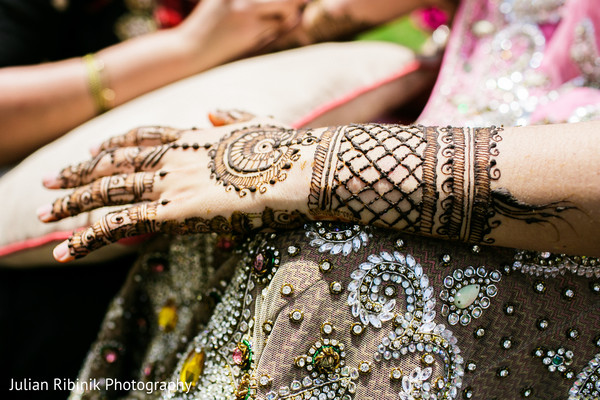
(181, 181)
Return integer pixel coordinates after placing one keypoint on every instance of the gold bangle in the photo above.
(103, 96)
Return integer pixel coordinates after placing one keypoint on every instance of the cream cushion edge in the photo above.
(294, 87)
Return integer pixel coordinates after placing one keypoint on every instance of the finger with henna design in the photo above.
(107, 191)
(133, 221)
(109, 162)
(143, 136)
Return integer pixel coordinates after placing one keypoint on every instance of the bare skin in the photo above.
(324, 20)
(41, 102)
(249, 176)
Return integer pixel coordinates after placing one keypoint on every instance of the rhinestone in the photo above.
(395, 374)
(568, 294)
(335, 287)
(542, 324)
(325, 266)
(445, 259)
(400, 244)
(167, 317)
(284, 391)
(572, 333)
(503, 372)
(538, 352)
(110, 354)
(468, 393)
(364, 367)
(539, 287)
(427, 359)
(296, 315)
(192, 368)
(526, 392)
(300, 361)
(264, 380)
(471, 366)
(479, 332)
(327, 328)
(357, 329)
(509, 309)
(570, 374)
(595, 287)
(267, 326)
(597, 341)
(506, 343)
(293, 250)
(475, 249)
(287, 290)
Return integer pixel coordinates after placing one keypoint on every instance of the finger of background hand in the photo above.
(228, 117)
(133, 221)
(109, 162)
(107, 191)
(143, 136)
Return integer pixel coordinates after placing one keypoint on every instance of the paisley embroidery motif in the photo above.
(376, 283)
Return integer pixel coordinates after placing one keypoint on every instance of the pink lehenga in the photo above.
(335, 311)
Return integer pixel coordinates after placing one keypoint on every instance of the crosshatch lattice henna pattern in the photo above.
(429, 180)
(371, 173)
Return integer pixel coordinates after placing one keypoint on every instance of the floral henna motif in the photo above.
(250, 159)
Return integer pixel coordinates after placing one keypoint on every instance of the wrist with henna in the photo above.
(433, 181)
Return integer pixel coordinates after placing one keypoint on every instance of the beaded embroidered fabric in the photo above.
(346, 312)
(343, 312)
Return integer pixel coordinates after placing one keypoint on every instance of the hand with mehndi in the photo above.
(180, 181)
(452, 183)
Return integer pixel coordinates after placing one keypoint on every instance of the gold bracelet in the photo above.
(103, 96)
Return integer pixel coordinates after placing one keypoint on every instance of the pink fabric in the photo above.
(34, 242)
(519, 67)
(557, 64)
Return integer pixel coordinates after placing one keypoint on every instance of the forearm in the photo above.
(532, 187)
(40, 103)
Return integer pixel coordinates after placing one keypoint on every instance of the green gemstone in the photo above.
(466, 296)
(557, 360)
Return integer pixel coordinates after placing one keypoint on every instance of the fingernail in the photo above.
(61, 252)
(50, 180)
(44, 213)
